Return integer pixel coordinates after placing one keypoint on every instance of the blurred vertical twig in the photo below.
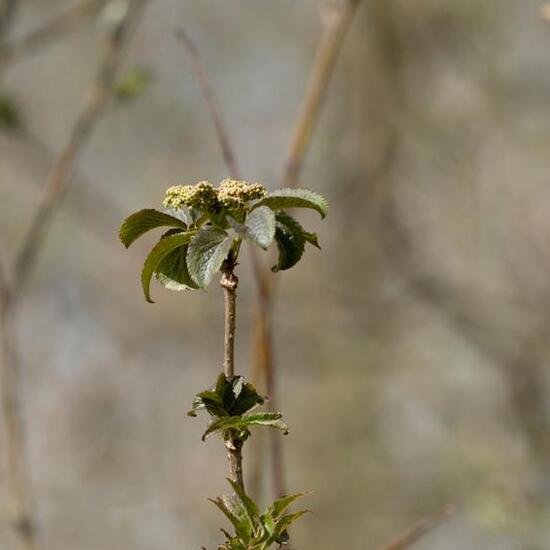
(211, 103)
(18, 482)
(335, 31)
(337, 25)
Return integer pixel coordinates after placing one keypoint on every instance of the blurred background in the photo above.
(412, 352)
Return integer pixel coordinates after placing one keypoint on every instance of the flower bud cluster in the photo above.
(230, 195)
(202, 196)
(234, 194)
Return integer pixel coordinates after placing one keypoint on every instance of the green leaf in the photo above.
(273, 420)
(157, 254)
(247, 400)
(311, 238)
(132, 84)
(291, 198)
(290, 239)
(206, 253)
(138, 223)
(10, 114)
(259, 226)
(236, 513)
(281, 505)
(283, 524)
(210, 401)
(249, 505)
(172, 273)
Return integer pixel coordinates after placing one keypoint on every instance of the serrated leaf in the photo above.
(290, 239)
(294, 198)
(206, 253)
(311, 238)
(210, 401)
(172, 273)
(249, 505)
(259, 226)
(157, 254)
(248, 399)
(281, 505)
(273, 420)
(282, 525)
(236, 513)
(138, 223)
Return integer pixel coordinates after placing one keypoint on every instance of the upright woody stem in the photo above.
(229, 282)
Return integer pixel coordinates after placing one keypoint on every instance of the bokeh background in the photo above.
(412, 352)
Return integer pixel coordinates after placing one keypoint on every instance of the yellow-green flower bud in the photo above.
(234, 194)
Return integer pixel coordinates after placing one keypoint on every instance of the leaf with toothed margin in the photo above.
(290, 240)
(249, 505)
(259, 226)
(206, 253)
(281, 505)
(273, 420)
(159, 253)
(139, 223)
(311, 238)
(236, 513)
(172, 272)
(294, 198)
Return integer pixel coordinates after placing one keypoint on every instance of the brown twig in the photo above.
(417, 531)
(211, 102)
(323, 66)
(58, 26)
(337, 26)
(19, 484)
(59, 178)
(229, 282)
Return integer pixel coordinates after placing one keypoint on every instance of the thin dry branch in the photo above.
(54, 29)
(336, 29)
(325, 59)
(19, 480)
(211, 102)
(60, 177)
(417, 531)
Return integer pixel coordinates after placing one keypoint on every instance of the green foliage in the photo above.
(132, 84)
(259, 226)
(294, 198)
(206, 253)
(227, 402)
(142, 221)
(215, 220)
(255, 530)
(10, 115)
(159, 253)
(236, 427)
(227, 398)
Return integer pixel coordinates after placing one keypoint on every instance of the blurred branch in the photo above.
(60, 177)
(323, 66)
(7, 12)
(58, 26)
(19, 482)
(336, 29)
(417, 531)
(211, 102)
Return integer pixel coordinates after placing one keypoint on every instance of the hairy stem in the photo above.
(229, 283)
